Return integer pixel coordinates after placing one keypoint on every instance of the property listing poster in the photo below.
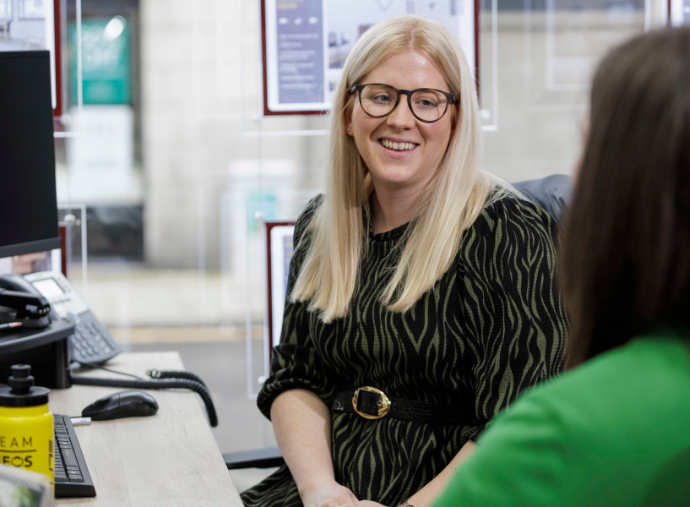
(29, 25)
(680, 12)
(308, 41)
(282, 249)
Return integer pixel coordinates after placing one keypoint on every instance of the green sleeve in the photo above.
(520, 461)
(513, 316)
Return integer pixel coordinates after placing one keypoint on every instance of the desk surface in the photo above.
(168, 459)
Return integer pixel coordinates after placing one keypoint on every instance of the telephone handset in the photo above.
(91, 342)
(30, 309)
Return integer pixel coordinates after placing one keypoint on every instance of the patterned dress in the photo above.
(492, 326)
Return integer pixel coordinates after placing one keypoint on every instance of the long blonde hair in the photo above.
(450, 203)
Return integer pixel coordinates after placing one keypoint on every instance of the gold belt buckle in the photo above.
(384, 404)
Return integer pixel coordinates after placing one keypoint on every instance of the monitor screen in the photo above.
(28, 204)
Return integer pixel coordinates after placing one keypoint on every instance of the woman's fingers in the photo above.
(330, 495)
(340, 502)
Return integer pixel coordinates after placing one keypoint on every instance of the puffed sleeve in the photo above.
(513, 316)
(295, 363)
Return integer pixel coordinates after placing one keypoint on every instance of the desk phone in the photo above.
(91, 342)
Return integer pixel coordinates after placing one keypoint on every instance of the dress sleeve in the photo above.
(295, 363)
(514, 319)
(526, 459)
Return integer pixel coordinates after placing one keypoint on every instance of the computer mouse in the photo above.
(122, 404)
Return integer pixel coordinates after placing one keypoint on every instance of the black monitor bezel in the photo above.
(41, 245)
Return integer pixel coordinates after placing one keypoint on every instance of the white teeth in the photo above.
(397, 146)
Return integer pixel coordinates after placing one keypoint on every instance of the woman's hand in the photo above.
(367, 503)
(331, 494)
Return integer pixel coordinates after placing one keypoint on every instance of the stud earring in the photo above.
(349, 130)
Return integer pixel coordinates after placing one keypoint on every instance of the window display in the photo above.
(306, 43)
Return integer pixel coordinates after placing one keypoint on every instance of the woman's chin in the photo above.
(394, 182)
(394, 178)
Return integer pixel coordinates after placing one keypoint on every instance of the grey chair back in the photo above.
(551, 193)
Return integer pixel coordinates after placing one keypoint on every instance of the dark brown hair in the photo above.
(625, 259)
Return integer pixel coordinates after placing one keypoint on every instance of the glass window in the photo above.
(5, 12)
(546, 53)
(32, 9)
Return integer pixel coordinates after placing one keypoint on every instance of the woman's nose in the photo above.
(401, 117)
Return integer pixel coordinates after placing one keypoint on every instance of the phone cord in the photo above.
(179, 374)
(197, 387)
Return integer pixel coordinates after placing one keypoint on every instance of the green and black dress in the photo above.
(492, 326)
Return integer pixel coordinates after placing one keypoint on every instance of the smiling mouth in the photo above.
(397, 146)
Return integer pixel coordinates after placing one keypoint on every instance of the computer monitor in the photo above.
(28, 197)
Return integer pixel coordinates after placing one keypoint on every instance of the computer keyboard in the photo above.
(71, 474)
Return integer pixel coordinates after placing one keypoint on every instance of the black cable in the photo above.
(98, 366)
(168, 374)
(197, 387)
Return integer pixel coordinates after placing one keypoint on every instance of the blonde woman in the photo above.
(421, 291)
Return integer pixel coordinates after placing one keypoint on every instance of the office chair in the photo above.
(551, 193)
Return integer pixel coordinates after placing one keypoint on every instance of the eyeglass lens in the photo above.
(379, 100)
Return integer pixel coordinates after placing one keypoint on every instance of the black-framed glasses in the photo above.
(427, 104)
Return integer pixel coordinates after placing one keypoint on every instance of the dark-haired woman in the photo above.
(616, 430)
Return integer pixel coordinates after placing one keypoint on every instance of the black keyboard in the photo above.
(71, 474)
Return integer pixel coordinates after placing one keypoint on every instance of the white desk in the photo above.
(169, 459)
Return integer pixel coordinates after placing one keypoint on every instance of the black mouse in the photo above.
(123, 404)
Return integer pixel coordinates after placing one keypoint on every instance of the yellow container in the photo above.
(26, 425)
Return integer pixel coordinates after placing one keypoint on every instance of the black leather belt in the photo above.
(372, 403)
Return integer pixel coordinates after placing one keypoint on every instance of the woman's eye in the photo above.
(426, 103)
(381, 98)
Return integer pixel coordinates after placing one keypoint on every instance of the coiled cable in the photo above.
(179, 374)
(171, 383)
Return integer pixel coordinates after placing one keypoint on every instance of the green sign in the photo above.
(106, 61)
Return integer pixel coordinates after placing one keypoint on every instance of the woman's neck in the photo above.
(392, 209)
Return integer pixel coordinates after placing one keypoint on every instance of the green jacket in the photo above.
(613, 432)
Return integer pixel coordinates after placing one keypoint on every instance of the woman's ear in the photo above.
(348, 123)
(455, 120)
(347, 118)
